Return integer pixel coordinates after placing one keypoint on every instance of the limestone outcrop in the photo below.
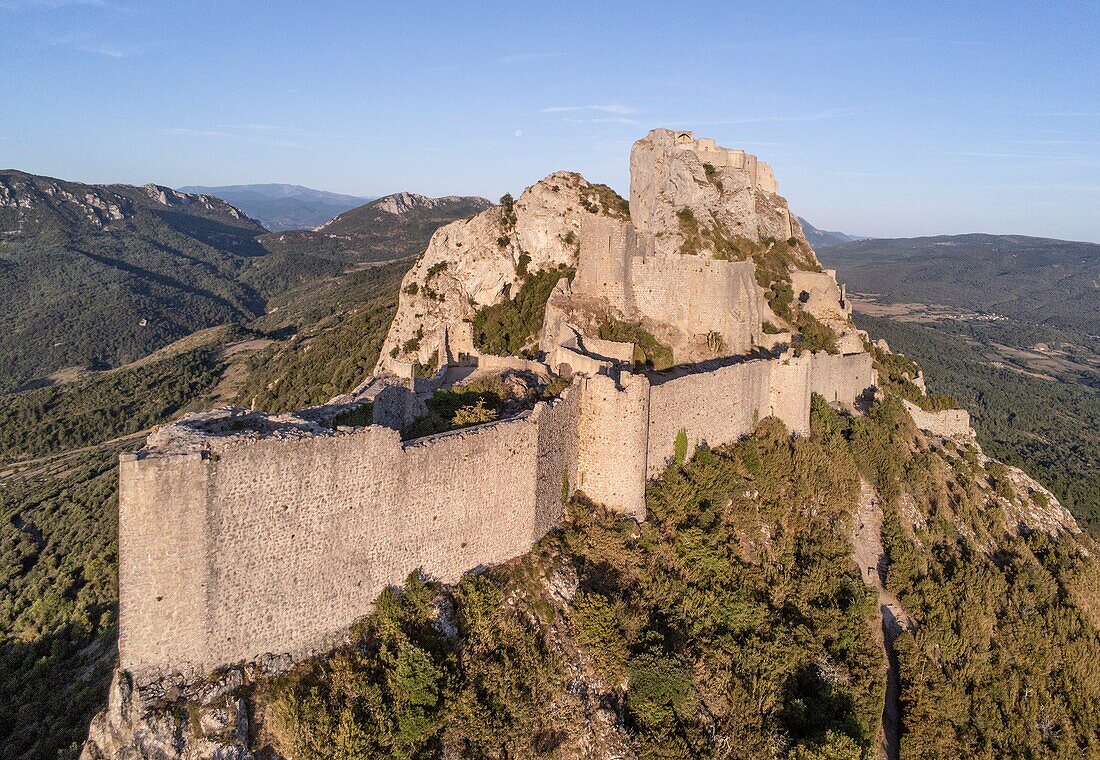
(480, 261)
(724, 189)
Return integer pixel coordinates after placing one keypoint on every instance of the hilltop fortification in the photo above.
(244, 536)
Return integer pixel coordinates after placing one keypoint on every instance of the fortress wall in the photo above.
(841, 379)
(162, 551)
(602, 262)
(612, 445)
(279, 545)
(789, 394)
(712, 407)
(948, 423)
(558, 426)
(699, 295)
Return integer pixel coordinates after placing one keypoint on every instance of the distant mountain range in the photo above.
(824, 238)
(283, 207)
(101, 275)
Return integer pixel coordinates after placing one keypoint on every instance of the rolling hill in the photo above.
(1032, 280)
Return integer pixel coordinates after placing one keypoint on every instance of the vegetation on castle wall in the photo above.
(506, 328)
(648, 351)
(813, 335)
(476, 402)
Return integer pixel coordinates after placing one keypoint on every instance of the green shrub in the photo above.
(680, 447)
(648, 351)
(814, 336)
(503, 329)
(360, 416)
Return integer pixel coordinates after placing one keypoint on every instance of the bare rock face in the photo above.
(213, 726)
(480, 261)
(721, 187)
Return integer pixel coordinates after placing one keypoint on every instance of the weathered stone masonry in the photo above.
(243, 547)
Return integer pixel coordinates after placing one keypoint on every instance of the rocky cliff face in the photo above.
(728, 191)
(480, 261)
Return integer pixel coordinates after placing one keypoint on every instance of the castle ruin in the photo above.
(243, 535)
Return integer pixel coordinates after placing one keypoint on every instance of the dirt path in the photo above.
(870, 559)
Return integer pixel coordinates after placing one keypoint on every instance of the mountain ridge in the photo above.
(283, 207)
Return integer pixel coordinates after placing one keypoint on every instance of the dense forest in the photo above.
(1049, 428)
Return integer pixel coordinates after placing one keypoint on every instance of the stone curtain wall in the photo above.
(278, 546)
(948, 423)
(720, 406)
(712, 407)
(841, 379)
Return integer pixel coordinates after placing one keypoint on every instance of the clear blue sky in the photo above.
(890, 119)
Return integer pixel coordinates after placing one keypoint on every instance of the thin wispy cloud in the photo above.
(605, 120)
(601, 108)
(22, 5)
(186, 132)
(85, 43)
(253, 127)
(771, 119)
(1018, 155)
(258, 134)
(1056, 142)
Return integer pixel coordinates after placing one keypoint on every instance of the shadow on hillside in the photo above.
(51, 689)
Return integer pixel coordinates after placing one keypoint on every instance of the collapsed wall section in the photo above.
(279, 545)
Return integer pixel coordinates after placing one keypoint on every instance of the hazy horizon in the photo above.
(886, 122)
